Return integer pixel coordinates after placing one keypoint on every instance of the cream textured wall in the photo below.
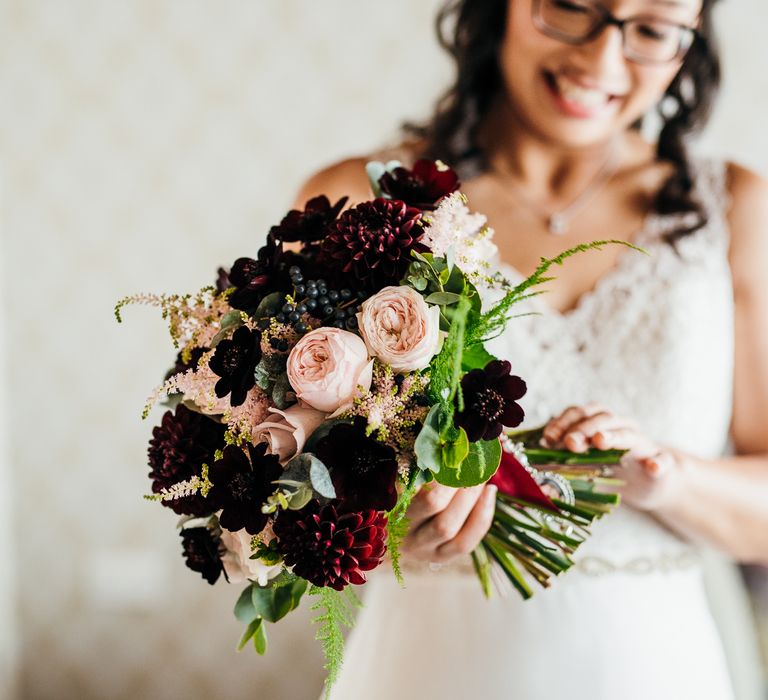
(142, 143)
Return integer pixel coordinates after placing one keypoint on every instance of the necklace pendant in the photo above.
(557, 224)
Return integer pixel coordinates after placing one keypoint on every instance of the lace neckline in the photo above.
(646, 235)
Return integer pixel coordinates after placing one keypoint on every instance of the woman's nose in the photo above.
(604, 55)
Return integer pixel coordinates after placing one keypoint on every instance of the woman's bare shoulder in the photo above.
(748, 222)
(345, 178)
(348, 178)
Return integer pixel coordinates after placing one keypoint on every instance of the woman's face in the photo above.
(582, 95)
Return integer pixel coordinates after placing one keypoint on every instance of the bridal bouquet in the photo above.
(318, 385)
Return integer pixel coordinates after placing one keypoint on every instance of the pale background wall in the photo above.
(142, 143)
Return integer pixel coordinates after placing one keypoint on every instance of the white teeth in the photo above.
(586, 97)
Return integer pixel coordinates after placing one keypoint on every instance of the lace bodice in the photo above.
(653, 341)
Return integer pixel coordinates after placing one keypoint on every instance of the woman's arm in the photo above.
(725, 501)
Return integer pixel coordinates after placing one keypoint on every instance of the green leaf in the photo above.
(480, 465)
(475, 357)
(274, 602)
(281, 390)
(455, 451)
(271, 301)
(443, 298)
(229, 321)
(249, 632)
(307, 469)
(244, 610)
(260, 639)
(428, 446)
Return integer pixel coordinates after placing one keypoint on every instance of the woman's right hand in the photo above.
(446, 523)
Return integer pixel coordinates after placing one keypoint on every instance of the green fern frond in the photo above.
(493, 321)
(445, 373)
(398, 524)
(337, 607)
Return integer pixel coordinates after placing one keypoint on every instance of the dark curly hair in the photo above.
(472, 31)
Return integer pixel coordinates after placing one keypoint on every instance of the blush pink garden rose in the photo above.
(326, 367)
(400, 328)
(286, 431)
(237, 559)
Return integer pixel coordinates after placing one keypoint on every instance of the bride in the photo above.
(665, 355)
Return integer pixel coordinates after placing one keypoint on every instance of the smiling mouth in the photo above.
(577, 94)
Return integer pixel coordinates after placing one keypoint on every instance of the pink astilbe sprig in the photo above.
(392, 409)
(193, 319)
(197, 387)
(243, 420)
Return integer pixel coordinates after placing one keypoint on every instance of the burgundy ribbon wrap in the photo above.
(512, 479)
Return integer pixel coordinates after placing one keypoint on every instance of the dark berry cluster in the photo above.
(334, 307)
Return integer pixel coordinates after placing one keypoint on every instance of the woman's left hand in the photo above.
(651, 473)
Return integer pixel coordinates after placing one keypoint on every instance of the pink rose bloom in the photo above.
(286, 431)
(237, 559)
(326, 367)
(400, 328)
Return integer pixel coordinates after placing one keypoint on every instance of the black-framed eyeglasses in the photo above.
(646, 39)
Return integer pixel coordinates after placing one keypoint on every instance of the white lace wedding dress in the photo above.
(653, 341)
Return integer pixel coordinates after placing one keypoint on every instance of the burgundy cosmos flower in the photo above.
(201, 550)
(422, 186)
(363, 470)
(234, 361)
(329, 548)
(371, 243)
(180, 445)
(309, 225)
(490, 401)
(241, 486)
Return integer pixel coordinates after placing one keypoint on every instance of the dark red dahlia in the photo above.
(490, 401)
(309, 225)
(363, 470)
(371, 243)
(422, 186)
(202, 552)
(330, 548)
(180, 445)
(234, 361)
(242, 483)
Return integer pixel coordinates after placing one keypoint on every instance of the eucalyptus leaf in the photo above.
(320, 478)
(418, 283)
(269, 303)
(282, 392)
(274, 602)
(443, 298)
(428, 446)
(307, 470)
(244, 610)
(480, 465)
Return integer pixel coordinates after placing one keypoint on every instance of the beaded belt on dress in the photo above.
(590, 565)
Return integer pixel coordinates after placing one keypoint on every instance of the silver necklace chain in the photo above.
(558, 222)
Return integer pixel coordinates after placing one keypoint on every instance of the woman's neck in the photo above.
(546, 170)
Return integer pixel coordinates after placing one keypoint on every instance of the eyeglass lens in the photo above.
(645, 38)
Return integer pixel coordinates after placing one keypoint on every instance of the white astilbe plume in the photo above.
(453, 226)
